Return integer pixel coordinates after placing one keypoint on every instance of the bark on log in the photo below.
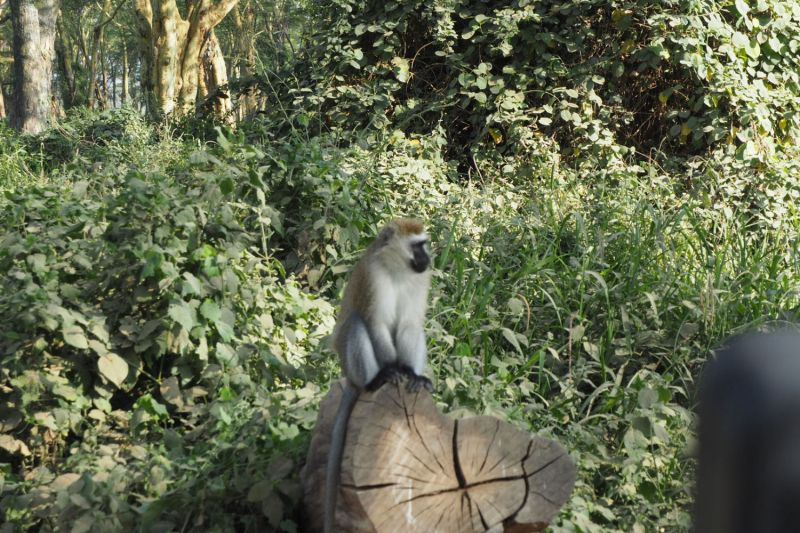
(409, 468)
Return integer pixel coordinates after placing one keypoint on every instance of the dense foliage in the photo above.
(600, 76)
(610, 188)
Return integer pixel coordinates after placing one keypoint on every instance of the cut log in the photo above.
(409, 468)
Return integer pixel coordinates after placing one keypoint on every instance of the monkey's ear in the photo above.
(387, 233)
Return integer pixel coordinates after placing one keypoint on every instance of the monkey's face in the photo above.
(420, 260)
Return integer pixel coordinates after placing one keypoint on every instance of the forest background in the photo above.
(610, 187)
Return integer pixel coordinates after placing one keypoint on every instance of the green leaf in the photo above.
(741, 7)
(647, 397)
(38, 262)
(222, 140)
(180, 312)
(739, 40)
(512, 338)
(74, 336)
(225, 330)
(191, 284)
(114, 368)
(401, 69)
(154, 261)
(79, 188)
(260, 491)
(226, 355)
(171, 391)
(753, 49)
(211, 312)
(226, 186)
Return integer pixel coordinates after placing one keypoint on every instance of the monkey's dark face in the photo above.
(421, 261)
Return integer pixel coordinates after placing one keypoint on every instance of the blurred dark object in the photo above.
(749, 472)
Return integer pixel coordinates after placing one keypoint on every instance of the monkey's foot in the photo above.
(416, 382)
(388, 374)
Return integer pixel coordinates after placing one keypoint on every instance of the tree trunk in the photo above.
(143, 16)
(103, 70)
(246, 54)
(113, 85)
(34, 27)
(171, 49)
(215, 75)
(408, 468)
(66, 64)
(98, 47)
(125, 93)
(94, 52)
(3, 46)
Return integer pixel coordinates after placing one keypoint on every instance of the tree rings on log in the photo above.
(409, 468)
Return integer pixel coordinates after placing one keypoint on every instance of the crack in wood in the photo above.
(483, 520)
(425, 445)
(546, 465)
(465, 489)
(462, 481)
(489, 447)
(527, 485)
(465, 496)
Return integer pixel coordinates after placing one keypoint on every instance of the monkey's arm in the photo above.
(412, 348)
(412, 355)
(382, 344)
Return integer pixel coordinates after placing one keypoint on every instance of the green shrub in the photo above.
(601, 76)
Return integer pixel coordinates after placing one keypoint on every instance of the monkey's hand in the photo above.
(388, 374)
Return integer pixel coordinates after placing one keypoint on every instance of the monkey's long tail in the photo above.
(349, 397)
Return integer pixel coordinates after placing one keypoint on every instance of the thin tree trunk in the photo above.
(245, 55)
(98, 37)
(143, 15)
(103, 69)
(3, 46)
(113, 85)
(125, 93)
(135, 88)
(66, 63)
(34, 26)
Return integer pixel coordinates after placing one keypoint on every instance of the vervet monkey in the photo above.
(380, 335)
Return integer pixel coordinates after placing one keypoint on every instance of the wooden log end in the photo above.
(409, 468)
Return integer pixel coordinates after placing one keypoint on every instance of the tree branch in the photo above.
(110, 17)
(218, 12)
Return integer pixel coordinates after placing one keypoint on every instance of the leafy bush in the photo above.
(160, 331)
(86, 133)
(601, 76)
(136, 292)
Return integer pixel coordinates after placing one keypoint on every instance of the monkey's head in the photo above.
(403, 241)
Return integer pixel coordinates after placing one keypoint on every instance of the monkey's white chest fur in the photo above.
(402, 300)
